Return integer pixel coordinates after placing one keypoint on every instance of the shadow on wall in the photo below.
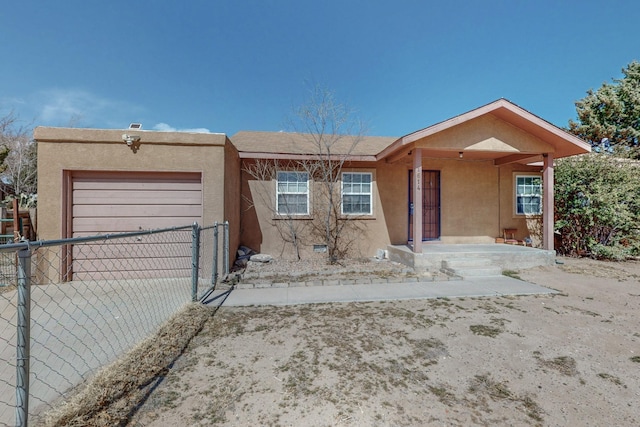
(250, 233)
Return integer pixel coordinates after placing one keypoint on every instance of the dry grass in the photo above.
(485, 385)
(398, 363)
(112, 395)
(566, 365)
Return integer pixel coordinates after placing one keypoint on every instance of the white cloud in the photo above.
(71, 107)
(60, 106)
(164, 127)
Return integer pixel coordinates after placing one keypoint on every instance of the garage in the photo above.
(91, 182)
(117, 202)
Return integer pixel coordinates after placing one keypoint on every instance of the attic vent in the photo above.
(135, 126)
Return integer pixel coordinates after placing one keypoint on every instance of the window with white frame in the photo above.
(528, 195)
(292, 193)
(356, 193)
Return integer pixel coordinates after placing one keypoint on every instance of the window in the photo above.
(292, 193)
(528, 195)
(356, 193)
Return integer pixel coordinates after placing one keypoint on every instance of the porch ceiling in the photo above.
(498, 157)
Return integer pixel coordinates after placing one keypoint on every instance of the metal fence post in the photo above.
(195, 260)
(225, 254)
(214, 270)
(23, 337)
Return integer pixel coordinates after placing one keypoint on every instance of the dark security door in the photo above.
(430, 205)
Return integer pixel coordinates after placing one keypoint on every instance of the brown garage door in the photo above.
(115, 202)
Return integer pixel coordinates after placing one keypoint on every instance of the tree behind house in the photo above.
(597, 203)
(609, 118)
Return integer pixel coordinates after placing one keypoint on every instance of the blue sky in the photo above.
(225, 66)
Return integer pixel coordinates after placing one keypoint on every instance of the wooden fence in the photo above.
(14, 227)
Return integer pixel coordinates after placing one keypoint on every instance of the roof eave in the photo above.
(503, 109)
(304, 157)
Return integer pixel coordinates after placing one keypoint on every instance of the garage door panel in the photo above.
(135, 185)
(104, 202)
(91, 197)
(133, 211)
(168, 237)
(143, 249)
(98, 265)
(123, 225)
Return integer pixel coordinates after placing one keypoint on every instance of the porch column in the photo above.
(417, 200)
(548, 212)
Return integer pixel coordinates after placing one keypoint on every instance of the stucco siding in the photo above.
(232, 196)
(488, 134)
(477, 203)
(263, 230)
(469, 201)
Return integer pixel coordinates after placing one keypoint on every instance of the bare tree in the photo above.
(332, 132)
(20, 162)
(324, 135)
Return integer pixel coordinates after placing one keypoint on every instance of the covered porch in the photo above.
(479, 174)
(466, 260)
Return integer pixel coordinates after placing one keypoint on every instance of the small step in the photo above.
(474, 272)
(466, 262)
(471, 267)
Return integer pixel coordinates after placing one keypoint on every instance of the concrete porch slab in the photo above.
(507, 257)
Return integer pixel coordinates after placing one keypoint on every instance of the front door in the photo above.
(430, 205)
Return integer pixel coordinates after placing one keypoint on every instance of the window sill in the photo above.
(358, 217)
(277, 217)
(527, 216)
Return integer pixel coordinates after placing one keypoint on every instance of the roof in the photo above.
(267, 144)
(564, 143)
(372, 148)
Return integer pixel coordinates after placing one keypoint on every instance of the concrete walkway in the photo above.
(469, 287)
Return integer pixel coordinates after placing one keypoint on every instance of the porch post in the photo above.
(417, 200)
(548, 213)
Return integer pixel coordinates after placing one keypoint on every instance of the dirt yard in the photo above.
(572, 359)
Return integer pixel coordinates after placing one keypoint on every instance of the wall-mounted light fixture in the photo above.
(132, 141)
(460, 154)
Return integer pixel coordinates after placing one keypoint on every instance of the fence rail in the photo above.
(71, 306)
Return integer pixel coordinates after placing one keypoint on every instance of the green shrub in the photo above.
(597, 198)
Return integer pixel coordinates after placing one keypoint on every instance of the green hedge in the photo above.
(597, 198)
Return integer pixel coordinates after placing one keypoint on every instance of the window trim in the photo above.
(516, 195)
(278, 193)
(370, 194)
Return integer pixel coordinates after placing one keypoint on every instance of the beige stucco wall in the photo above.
(486, 134)
(477, 203)
(266, 232)
(477, 199)
(232, 196)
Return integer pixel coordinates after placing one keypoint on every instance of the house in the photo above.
(477, 174)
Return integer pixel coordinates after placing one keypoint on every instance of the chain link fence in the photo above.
(71, 306)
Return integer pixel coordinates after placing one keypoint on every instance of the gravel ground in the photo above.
(313, 269)
(571, 358)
